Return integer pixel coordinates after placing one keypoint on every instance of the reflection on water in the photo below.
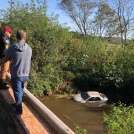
(76, 114)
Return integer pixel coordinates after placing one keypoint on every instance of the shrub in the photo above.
(120, 120)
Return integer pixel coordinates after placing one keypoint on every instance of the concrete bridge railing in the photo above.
(59, 126)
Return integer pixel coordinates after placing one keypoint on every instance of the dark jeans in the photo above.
(18, 86)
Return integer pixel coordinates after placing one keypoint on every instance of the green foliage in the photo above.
(60, 55)
(120, 120)
(79, 130)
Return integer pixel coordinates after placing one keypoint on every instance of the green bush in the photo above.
(120, 120)
(79, 130)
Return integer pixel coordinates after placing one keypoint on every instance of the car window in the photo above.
(94, 99)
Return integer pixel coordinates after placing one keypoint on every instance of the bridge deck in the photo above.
(29, 120)
(32, 123)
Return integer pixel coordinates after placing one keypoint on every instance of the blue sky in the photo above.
(53, 9)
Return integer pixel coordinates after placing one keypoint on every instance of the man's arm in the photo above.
(7, 56)
(5, 59)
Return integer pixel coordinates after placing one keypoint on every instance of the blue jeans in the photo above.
(18, 86)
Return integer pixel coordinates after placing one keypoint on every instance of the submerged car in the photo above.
(92, 98)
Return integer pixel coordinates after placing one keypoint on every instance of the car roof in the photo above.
(94, 94)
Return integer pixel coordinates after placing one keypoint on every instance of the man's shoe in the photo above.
(3, 85)
(13, 105)
(19, 109)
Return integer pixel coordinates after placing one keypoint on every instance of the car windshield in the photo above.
(94, 99)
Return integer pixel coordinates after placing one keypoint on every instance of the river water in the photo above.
(76, 114)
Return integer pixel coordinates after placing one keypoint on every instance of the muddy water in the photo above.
(76, 114)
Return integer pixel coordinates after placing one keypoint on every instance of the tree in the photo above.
(80, 11)
(125, 15)
(105, 19)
